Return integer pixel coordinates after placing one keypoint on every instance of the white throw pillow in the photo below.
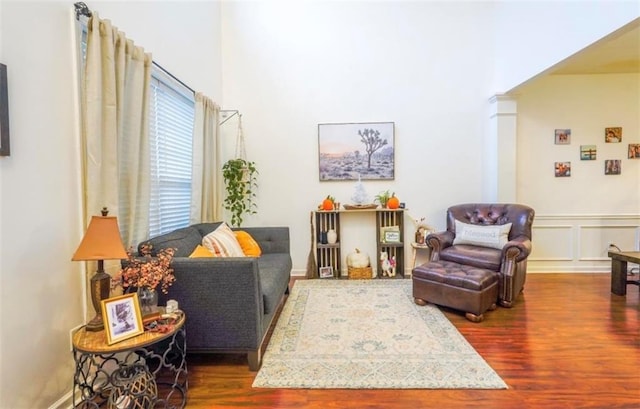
(222, 242)
(485, 236)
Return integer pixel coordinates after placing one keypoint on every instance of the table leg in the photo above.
(618, 277)
(414, 257)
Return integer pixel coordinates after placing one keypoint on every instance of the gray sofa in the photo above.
(229, 302)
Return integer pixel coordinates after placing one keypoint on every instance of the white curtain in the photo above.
(115, 129)
(206, 182)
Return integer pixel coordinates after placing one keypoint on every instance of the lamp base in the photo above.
(96, 324)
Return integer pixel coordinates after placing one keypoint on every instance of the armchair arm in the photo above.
(439, 241)
(517, 249)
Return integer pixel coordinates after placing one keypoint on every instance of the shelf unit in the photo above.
(330, 255)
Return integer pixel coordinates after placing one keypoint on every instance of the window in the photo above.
(172, 111)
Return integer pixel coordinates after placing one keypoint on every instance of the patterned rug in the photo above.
(368, 334)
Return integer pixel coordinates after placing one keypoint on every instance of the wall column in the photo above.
(500, 150)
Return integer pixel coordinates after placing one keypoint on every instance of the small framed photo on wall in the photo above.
(563, 136)
(613, 135)
(634, 151)
(588, 152)
(562, 169)
(612, 167)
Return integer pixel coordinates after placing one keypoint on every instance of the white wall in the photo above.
(290, 66)
(532, 36)
(569, 208)
(40, 210)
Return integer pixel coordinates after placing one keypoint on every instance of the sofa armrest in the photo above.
(517, 249)
(225, 293)
(270, 239)
(438, 242)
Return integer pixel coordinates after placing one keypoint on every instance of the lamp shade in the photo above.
(101, 241)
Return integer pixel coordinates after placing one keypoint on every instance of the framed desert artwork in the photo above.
(352, 151)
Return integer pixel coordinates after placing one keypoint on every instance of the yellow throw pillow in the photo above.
(249, 246)
(201, 252)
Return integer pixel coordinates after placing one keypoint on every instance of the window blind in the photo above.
(172, 114)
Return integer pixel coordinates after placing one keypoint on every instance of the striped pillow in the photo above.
(222, 242)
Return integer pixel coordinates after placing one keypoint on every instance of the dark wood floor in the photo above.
(567, 343)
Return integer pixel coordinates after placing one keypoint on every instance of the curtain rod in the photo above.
(83, 10)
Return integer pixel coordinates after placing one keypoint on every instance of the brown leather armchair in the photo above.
(510, 261)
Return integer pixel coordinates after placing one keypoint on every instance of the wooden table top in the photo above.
(630, 256)
(96, 341)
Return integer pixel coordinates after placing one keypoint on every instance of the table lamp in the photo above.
(101, 242)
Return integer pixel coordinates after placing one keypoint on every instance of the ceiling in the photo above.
(618, 53)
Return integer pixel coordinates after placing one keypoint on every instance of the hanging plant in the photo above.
(240, 183)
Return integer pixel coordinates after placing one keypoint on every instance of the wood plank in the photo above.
(567, 343)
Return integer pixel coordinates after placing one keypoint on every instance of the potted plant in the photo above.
(240, 183)
(145, 273)
(383, 198)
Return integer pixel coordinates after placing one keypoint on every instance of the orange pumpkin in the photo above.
(327, 204)
(393, 202)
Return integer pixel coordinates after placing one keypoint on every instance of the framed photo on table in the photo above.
(391, 236)
(122, 317)
(326, 272)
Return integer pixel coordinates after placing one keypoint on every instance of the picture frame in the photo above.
(4, 113)
(392, 237)
(122, 317)
(354, 151)
(389, 229)
(326, 272)
(562, 169)
(613, 134)
(562, 136)
(612, 167)
(634, 151)
(588, 152)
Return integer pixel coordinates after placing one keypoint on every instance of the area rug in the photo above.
(368, 334)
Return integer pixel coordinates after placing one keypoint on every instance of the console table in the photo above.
(329, 254)
(619, 270)
(163, 355)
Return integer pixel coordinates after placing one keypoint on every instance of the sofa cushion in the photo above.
(201, 252)
(481, 257)
(184, 240)
(222, 242)
(249, 246)
(274, 278)
(495, 236)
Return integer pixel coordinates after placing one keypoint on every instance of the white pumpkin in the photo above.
(358, 259)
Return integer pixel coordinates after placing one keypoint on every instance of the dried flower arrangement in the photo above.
(146, 270)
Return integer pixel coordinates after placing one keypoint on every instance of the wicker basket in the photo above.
(359, 273)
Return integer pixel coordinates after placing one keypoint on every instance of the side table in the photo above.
(415, 247)
(163, 354)
(619, 270)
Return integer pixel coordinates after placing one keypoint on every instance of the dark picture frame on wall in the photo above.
(353, 151)
(4, 113)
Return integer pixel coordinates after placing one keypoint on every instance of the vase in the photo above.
(148, 298)
(332, 237)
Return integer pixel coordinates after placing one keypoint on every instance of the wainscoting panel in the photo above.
(579, 243)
